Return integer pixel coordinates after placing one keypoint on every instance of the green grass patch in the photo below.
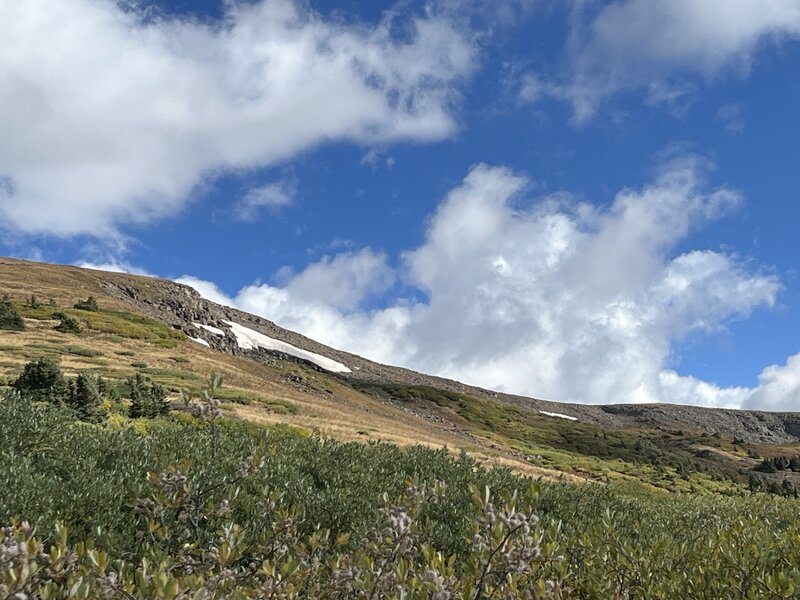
(40, 313)
(158, 373)
(582, 448)
(81, 351)
(122, 324)
(274, 405)
(91, 360)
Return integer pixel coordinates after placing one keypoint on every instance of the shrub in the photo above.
(89, 304)
(79, 351)
(184, 510)
(10, 319)
(778, 463)
(42, 380)
(66, 323)
(148, 399)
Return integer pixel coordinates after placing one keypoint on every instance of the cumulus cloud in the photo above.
(553, 298)
(656, 46)
(778, 387)
(111, 118)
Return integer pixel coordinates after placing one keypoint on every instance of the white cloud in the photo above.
(778, 387)
(109, 118)
(376, 157)
(653, 46)
(730, 115)
(115, 266)
(207, 289)
(270, 196)
(682, 389)
(557, 299)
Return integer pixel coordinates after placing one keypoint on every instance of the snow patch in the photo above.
(210, 329)
(201, 341)
(248, 339)
(557, 415)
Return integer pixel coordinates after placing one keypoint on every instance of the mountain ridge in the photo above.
(182, 308)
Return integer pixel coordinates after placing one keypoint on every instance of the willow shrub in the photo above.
(202, 507)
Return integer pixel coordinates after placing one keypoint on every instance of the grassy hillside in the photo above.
(292, 482)
(117, 341)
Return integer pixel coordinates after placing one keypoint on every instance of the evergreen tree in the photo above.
(42, 380)
(766, 466)
(89, 304)
(148, 399)
(85, 398)
(108, 390)
(66, 323)
(10, 320)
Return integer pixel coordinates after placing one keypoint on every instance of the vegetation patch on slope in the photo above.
(112, 322)
(664, 459)
(218, 508)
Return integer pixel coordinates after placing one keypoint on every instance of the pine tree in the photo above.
(148, 399)
(89, 304)
(766, 466)
(42, 380)
(10, 320)
(108, 390)
(85, 398)
(66, 323)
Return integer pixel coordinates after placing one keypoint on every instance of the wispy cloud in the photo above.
(732, 117)
(271, 196)
(376, 157)
(658, 49)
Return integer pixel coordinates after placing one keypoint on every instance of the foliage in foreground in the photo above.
(86, 394)
(202, 507)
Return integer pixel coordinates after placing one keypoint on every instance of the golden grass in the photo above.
(324, 403)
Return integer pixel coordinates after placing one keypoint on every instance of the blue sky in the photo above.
(528, 195)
